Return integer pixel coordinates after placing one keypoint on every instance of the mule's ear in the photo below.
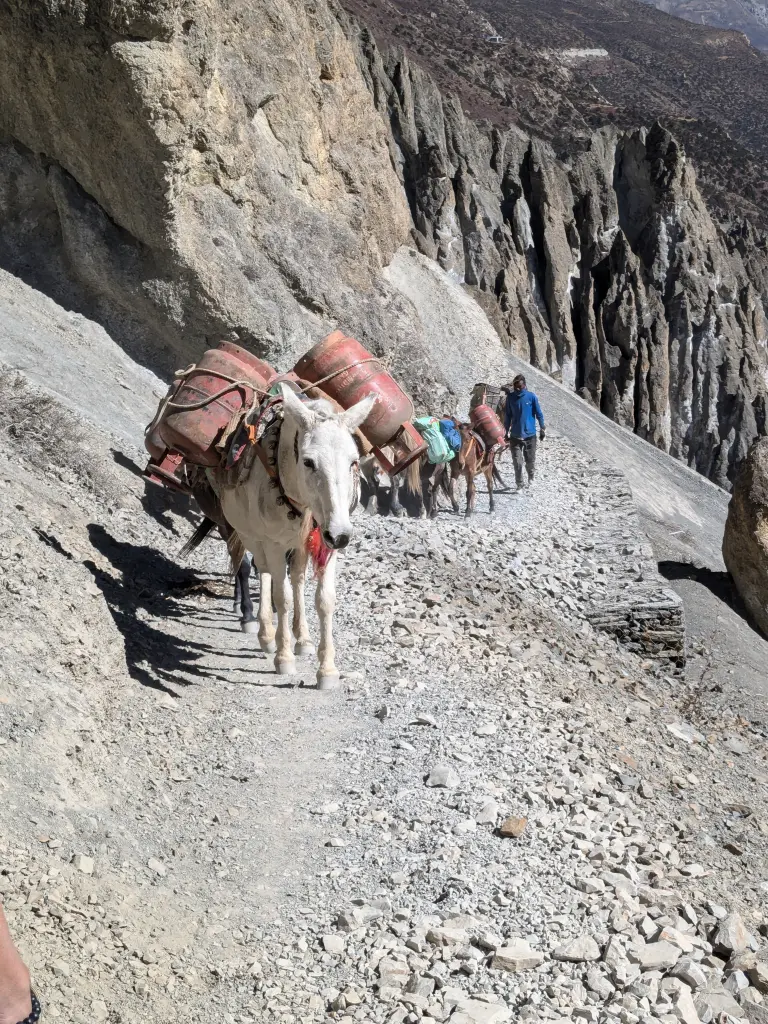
(295, 408)
(357, 414)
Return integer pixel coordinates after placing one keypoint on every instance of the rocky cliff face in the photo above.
(185, 172)
(607, 270)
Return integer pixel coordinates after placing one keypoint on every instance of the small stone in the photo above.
(512, 828)
(645, 789)
(489, 729)
(737, 983)
(443, 776)
(516, 956)
(679, 994)
(685, 732)
(758, 975)
(447, 936)
(711, 1003)
(677, 938)
(580, 950)
(83, 863)
(690, 972)
(731, 936)
(488, 813)
(334, 943)
(424, 719)
(591, 886)
(157, 866)
(656, 956)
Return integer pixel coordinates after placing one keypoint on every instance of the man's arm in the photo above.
(538, 414)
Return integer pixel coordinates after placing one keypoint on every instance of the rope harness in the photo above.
(262, 436)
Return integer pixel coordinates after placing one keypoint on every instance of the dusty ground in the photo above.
(185, 837)
(168, 804)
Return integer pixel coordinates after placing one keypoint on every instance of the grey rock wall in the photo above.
(606, 269)
(181, 172)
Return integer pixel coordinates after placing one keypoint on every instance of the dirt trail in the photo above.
(186, 837)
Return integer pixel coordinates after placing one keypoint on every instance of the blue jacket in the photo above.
(521, 412)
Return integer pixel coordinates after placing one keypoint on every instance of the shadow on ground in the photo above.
(158, 501)
(719, 584)
(149, 584)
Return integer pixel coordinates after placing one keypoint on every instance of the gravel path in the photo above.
(188, 838)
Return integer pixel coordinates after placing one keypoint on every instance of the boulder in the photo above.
(745, 544)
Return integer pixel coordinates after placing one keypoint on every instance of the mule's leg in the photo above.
(455, 474)
(285, 662)
(248, 622)
(395, 508)
(304, 643)
(237, 600)
(434, 486)
(489, 484)
(266, 625)
(471, 492)
(325, 603)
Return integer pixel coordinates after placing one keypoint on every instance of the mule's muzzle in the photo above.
(336, 541)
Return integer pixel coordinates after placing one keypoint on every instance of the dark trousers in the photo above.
(523, 451)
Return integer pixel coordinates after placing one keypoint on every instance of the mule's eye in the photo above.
(309, 463)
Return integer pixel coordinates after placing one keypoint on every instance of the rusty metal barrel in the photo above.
(347, 373)
(222, 384)
(487, 424)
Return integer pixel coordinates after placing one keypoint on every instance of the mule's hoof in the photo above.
(285, 668)
(268, 646)
(249, 625)
(330, 682)
(305, 649)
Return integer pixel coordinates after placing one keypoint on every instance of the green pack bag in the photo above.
(438, 449)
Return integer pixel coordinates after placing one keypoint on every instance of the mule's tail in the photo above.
(236, 550)
(413, 478)
(197, 538)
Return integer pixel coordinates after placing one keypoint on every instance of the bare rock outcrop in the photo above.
(250, 169)
(179, 174)
(605, 268)
(745, 544)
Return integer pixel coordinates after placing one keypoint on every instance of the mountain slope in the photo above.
(563, 70)
(250, 169)
(747, 16)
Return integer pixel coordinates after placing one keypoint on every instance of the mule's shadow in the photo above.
(157, 501)
(149, 584)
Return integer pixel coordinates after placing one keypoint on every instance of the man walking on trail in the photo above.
(521, 411)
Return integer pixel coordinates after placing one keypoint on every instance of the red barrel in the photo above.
(195, 431)
(488, 425)
(347, 373)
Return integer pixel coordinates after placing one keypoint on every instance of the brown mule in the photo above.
(471, 461)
